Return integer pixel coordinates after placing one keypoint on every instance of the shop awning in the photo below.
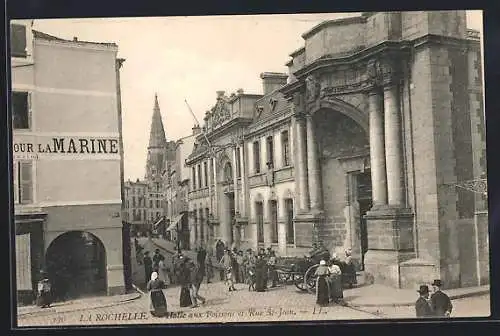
(174, 222)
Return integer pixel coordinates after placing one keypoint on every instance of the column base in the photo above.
(390, 243)
(116, 280)
(117, 290)
(307, 228)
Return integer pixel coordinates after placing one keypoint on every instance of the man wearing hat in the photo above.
(440, 302)
(422, 306)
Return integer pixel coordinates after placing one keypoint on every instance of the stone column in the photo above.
(301, 165)
(215, 209)
(235, 226)
(243, 181)
(235, 182)
(393, 146)
(377, 151)
(313, 167)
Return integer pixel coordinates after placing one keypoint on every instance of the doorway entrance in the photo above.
(364, 198)
(76, 265)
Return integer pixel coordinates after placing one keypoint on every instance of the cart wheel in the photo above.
(310, 278)
(299, 283)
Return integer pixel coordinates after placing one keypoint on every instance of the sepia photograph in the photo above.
(250, 168)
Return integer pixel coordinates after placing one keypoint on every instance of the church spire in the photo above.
(157, 137)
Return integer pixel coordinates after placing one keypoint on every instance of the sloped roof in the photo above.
(44, 36)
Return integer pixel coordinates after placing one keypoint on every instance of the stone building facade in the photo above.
(373, 141)
(66, 163)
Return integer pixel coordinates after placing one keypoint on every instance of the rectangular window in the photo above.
(285, 145)
(194, 178)
(18, 40)
(144, 215)
(256, 157)
(158, 203)
(238, 162)
(133, 202)
(270, 151)
(205, 168)
(199, 177)
(259, 215)
(23, 182)
(290, 227)
(274, 221)
(138, 215)
(151, 204)
(134, 215)
(21, 110)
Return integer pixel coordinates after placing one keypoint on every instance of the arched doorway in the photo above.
(76, 264)
(227, 211)
(343, 146)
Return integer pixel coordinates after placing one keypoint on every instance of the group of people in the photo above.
(329, 282)
(187, 273)
(437, 304)
(44, 291)
(253, 269)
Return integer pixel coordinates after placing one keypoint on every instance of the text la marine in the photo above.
(75, 146)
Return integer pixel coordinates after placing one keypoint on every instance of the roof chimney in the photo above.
(220, 94)
(272, 81)
(75, 39)
(196, 129)
(240, 91)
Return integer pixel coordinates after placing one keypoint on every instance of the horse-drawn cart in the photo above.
(300, 271)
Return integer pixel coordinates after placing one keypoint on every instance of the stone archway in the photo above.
(342, 137)
(76, 264)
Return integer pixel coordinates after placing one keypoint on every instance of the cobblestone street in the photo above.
(280, 304)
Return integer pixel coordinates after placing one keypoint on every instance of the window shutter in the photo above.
(29, 110)
(26, 182)
(15, 170)
(18, 40)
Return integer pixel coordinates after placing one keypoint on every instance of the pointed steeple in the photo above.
(157, 137)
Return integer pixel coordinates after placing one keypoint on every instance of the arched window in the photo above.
(228, 172)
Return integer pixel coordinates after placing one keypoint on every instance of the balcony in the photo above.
(283, 174)
(257, 180)
(199, 193)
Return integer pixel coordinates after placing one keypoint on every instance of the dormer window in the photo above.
(18, 41)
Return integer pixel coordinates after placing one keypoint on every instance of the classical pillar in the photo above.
(215, 209)
(393, 146)
(301, 165)
(377, 151)
(313, 166)
(235, 181)
(243, 181)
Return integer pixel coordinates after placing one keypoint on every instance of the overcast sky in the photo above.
(190, 58)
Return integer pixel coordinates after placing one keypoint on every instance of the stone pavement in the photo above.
(384, 296)
(78, 304)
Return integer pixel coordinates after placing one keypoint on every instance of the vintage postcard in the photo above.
(216, 169)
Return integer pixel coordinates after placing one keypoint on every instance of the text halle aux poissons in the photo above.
(89, 146)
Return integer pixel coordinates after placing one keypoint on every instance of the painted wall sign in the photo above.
(64, 146)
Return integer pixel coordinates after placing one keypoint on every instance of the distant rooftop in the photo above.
(45, 36)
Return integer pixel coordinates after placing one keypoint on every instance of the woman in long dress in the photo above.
(349, 274)
(163, 273)
(157, 300)
(185, 282)
(335, 279)
(44, 297)
(260, 274)
(322, 287)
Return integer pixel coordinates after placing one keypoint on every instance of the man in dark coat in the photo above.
(157, 256)
(148, 267)
(440, 302)
(422, 306)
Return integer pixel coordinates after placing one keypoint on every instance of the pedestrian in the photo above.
(423, 307)
(349, 275)
(241, 267)
(335, 283)
(236, 266)
(157, 256)
(44, 295)
(227, 262)
(273, 273)
(148, 267)
(197, 275)
(157, 300)
(209, 267)
(163, 272)
(440, 302)
(322, 287)
(185, 282)
(260, 274)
